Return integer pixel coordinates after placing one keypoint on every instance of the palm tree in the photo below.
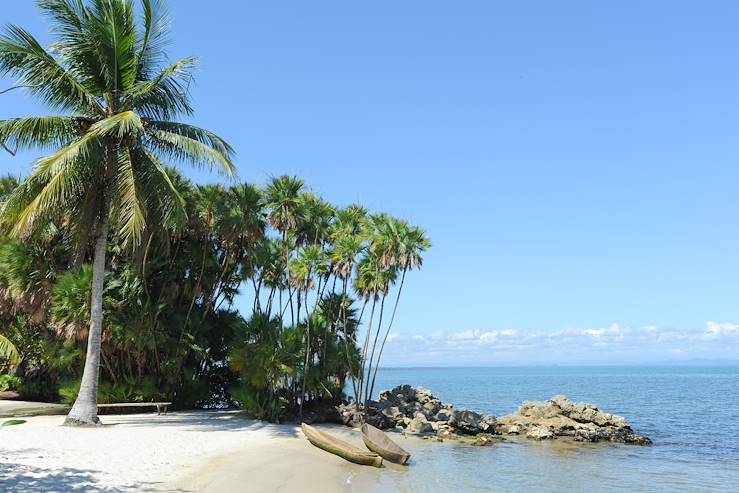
(413, 242)
(312, 261)
(282, 199)
(104, 73)
(242, 227)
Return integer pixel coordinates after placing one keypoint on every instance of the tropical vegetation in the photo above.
(306, 273)
(120, 280)
(106, 73)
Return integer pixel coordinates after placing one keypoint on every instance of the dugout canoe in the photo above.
(377, 441)
(338, 447)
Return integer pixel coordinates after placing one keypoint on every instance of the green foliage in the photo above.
(9, 382)
(144, 391)
(312, 270)
(106, 70)
(71, 297)
(9, 355)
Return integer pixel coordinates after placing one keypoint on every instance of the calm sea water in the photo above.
(691, 413)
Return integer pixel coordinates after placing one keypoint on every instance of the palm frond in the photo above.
(68, 16)
(196, 133)
(185, 148)
(130, 203)
(163, 197)
(40, 131)
(156, 23)
(80, 149)
(121, 125)
(165, 95)
(49, 195)
(71, 22)
(21, 56)
(8, 352)
(113, 32)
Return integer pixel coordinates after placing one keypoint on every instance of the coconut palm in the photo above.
(104, 74)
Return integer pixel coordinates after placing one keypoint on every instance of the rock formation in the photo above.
(418, 411)
(560, 417)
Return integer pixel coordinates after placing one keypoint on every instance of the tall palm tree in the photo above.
(312, 261)
(244, 226)
(104, 74)
(412, 243)
(282, 199)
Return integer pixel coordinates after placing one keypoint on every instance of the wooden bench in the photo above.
(161, 406)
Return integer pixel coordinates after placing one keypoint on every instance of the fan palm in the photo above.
(412, 243)
(311, 261)
(315, 226)
(104, 73)
(282, 199)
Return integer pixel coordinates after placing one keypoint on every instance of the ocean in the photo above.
(691, 413)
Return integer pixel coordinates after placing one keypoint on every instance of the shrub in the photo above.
(9, 382)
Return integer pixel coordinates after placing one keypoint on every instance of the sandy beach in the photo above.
(206, 451)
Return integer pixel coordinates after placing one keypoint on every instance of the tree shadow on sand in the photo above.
(17, 478)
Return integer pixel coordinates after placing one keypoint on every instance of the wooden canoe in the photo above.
(377, 441)
(339, 447)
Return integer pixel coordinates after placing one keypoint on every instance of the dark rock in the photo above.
(472, 423)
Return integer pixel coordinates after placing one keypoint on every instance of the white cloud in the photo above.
(717, 331)
(613, 344)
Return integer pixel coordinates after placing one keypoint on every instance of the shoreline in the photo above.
(194, 451)
(285, 464)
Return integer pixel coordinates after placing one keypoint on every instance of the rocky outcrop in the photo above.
(560, 417)
(418, 411)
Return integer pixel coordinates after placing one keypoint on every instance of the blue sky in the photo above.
(575, 163)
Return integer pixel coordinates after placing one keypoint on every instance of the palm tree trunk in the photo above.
(342, 315)
(363, 360)
(387, 332)
(84, 410)
(367, 394)
(307, 357)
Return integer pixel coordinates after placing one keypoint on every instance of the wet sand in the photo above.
(284, 464)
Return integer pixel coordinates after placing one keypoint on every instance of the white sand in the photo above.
(185, 451)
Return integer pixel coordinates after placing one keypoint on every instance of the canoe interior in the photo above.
(378, 441)
(339, 447)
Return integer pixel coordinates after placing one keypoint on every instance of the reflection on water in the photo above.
(691, 413)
